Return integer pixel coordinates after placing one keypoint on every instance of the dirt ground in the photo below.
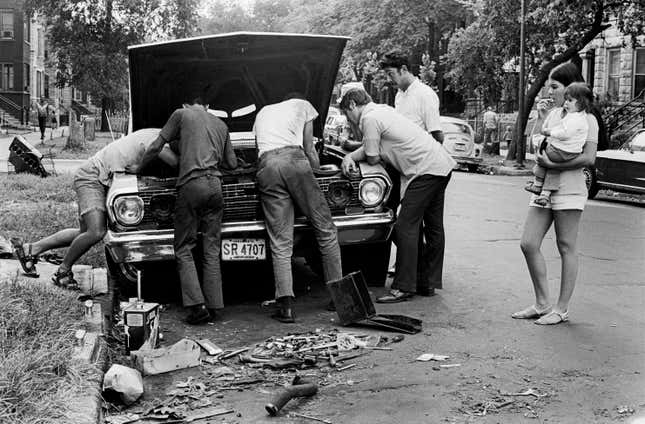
(589, 370)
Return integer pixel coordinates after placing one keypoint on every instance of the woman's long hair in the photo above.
(567, 73)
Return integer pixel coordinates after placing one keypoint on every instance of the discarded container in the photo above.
(127, 382)
(354, 306)
(183, 354)
(141, 322)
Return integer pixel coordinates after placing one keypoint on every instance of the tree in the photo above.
(556, 31)
(89, 39)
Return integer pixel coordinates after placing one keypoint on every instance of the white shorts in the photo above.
(562, 202)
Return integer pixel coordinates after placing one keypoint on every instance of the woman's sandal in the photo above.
(531, 312)
(65, 280)
(553, 317)
(27, 260)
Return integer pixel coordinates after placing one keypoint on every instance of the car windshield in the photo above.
(452, 127)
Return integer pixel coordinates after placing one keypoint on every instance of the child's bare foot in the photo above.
(532, 188)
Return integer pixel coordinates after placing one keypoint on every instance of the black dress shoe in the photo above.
(331, 307)
(198, 315)
(426, 292)
(213, 314)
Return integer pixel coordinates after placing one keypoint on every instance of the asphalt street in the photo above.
(591, 369)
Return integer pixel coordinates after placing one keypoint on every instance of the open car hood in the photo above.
(232, 71)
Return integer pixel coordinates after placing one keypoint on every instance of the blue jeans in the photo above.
(199, 206)
(285, 179)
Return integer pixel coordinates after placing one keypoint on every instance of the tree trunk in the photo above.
(76, 139)
(104, 114)
(520, 124)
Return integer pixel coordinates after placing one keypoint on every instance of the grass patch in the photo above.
(32, 208)
(56, 146)
(37, 326)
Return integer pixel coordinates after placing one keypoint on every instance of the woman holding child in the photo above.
(561, 207)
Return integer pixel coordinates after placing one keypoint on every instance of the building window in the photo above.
(613, 73)
(6, 81)
(639, 72)
(6, 24)
(78, 95)
(46, 86)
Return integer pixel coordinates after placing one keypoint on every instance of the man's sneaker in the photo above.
(198, 315)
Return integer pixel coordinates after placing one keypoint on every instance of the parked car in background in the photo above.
(621, 169)
(336, 127)
(459, 141)
(238, 74)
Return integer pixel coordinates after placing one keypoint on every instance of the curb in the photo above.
(510, 171)
(92, 350)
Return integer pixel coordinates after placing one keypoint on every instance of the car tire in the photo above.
(371, 259)
(590, 181)
(123, 282)
(472, 167)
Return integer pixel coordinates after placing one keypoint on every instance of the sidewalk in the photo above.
(498, 165)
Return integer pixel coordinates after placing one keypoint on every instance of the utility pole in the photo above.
(521, 145)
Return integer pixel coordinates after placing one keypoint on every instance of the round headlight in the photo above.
(371, 192)
(128, 210)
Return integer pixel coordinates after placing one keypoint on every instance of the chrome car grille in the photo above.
(241, 203)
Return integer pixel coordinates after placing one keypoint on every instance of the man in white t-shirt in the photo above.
(425, 169)
(414, 99)
(287, 157)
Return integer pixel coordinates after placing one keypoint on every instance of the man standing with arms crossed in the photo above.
(203, 145)
(287, 157)
(420, 104)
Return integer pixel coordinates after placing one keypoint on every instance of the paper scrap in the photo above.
(432, 357)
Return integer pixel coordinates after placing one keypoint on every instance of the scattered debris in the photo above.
(233, 353)
(346, 367)
(299, 388)
(183, 354)
(209, 347)
(309, 417)
(127, 382)
(449, 365)
(529, 392)
(625, 410)
(432, 357)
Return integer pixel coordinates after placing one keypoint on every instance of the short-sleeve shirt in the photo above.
(125, 151)
(490, 120)
(572, 194)
(403, 144)
(202, 139)
(420, 104)
(570, 133)
(282, 124)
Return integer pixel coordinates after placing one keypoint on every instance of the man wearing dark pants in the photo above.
(284, 133)
(425, 169)
(203, 144)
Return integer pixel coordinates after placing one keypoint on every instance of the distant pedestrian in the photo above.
(491, 143)
(563, 211)
(508, 137)
(42, 110)
(204, 145)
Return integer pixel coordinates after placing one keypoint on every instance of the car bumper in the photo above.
(157, 245)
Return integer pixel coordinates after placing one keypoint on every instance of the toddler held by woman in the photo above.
(565, 140)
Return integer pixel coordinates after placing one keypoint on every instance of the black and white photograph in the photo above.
(322, 211)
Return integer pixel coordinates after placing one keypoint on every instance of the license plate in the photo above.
(460, 147)
(243, 249)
